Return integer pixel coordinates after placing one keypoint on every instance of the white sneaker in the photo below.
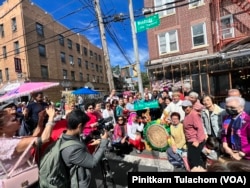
(138, 151)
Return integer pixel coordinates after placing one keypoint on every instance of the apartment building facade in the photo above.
(205, 42)
(35, 47)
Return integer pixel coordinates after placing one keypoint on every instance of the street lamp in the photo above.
(66, 83)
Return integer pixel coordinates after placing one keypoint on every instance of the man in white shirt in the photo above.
(174, 106)
(146, 91)
(112, 96)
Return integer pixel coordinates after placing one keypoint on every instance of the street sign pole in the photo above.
(131, 14)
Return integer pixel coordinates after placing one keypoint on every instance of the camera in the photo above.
(105, 124)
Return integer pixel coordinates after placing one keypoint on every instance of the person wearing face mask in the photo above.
(235, 134)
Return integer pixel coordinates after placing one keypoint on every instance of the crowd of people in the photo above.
(202, 133)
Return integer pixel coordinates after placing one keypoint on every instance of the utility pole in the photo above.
(137, 62)
(104, 45)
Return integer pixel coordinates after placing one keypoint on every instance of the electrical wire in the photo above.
(114, 38)
(56, 39)
(34, 30)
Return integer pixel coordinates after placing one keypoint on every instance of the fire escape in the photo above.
(243, 4)
(226, 27)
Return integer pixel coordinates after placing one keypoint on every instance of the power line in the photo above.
(114, 38)
(149, 10)
(69, 14)
(11, 9)
(37, 42)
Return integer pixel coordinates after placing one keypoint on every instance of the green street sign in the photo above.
(147, 23)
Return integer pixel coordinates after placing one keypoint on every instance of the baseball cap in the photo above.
(186, 103)
(7, 105)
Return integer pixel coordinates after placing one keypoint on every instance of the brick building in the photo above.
(34, 47)
(205, 42)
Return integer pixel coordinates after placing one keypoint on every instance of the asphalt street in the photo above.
(147, 161)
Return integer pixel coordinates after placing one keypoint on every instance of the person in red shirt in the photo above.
(195, 135)
(92, 124)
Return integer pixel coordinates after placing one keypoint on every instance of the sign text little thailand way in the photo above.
(147, 23)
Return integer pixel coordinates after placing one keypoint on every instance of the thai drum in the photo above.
(157, 135)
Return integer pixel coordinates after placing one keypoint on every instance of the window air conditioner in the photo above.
(227, 35)
(13, 27)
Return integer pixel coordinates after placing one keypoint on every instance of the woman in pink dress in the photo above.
(133, 134)
(12, 147)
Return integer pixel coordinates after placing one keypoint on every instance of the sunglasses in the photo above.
(120, 119)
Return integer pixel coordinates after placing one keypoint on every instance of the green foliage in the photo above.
(145, 79)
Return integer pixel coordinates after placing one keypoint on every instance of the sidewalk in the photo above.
(146, 158)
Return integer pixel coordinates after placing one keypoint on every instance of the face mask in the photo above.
(232, 112)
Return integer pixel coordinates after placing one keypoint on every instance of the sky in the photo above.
(80, 14)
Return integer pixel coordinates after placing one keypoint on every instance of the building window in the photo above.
(93, 80)
(16, 47)
(73, 75)
(165, 7)
(79, 62)
(96, 68)
(195, 3)
(65, 74)
(168, 42)
(99, 58)
(87, 77)
(85, 51)
(44, 72)
(63, 59)
(78, 47)
(71, 60)
(92, 66)
(81, 76)
(61, 40)
(1, 30)
(98, 80)
(7, 75)
(90, 53)
(1, 76)
(42, 50)
(39, 29)
(227, 29)
(13, 24)
(100, 69)
(199, 34)
(86, 64)
(69, 44)
(4, 52)
(95, 55)
(18, 65)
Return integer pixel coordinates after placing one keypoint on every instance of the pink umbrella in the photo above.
(27, 88)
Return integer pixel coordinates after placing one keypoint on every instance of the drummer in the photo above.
(174, 106)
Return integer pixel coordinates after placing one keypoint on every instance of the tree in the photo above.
(145, 79)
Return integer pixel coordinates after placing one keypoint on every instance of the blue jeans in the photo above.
(174, 158)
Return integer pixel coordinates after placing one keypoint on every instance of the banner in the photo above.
(141, 105)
